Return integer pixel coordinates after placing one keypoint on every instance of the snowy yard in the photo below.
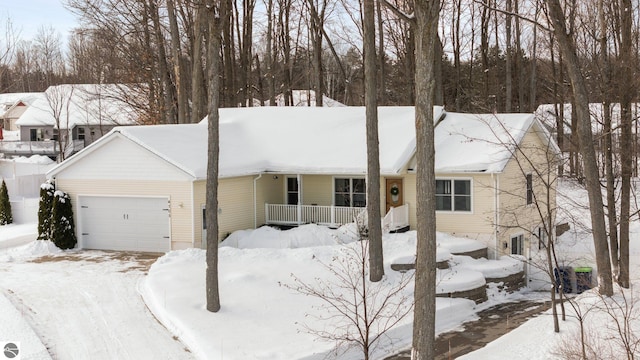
(102, 305)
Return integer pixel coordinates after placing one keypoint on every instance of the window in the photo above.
(350, 192)
(453, 195)
(204, 218)
(516, 245)
(541, 234)
(80, 133)
(292, 191)
(529, 189)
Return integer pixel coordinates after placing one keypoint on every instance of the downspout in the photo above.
(496, 214)
(299, 210)
(193, 218)
(255, 201)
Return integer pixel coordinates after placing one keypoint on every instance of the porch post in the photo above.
(298, 178)
(266, 213)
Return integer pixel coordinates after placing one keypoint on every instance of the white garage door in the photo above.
(124, 223)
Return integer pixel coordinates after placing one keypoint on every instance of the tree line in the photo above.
(493, 55)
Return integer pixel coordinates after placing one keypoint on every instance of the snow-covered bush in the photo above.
(63, 232)
(5, 206)
(45, 209)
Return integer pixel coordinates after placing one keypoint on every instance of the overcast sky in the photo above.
(27, 16)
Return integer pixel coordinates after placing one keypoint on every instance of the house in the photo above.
(12, 106)
(143, 187)
(67, 117)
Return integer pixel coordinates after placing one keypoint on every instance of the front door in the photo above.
(395, 195)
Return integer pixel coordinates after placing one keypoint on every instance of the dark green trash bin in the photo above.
(583, 278)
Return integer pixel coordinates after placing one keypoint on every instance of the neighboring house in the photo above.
(69, 117)
(12, 106)
(143, 187)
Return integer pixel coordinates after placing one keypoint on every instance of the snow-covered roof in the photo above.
(9, 100)
(80, 104)
(310, 140)
(480, 142)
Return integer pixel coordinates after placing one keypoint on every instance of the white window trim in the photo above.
(460, 212)
(333, 187)
(521, 235)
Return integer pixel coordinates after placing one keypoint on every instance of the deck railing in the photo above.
(280, 214)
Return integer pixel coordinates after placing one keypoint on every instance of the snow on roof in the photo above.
(478, 142)
(310, 140)
(9, 100)
(85, 104)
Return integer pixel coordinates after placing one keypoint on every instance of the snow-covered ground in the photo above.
(99, 305)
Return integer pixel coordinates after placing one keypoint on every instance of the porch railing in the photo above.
(279, 214)
(396, 218)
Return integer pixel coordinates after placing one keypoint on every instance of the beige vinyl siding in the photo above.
(317, 189)
(120, 159)
(178, 192)
(516, 217)
(199, 201)
(235, 203)
(270, 189)
(478, 221)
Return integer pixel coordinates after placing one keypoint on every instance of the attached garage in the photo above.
(124, 223)
(137, 188)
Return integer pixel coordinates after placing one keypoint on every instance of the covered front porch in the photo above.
(332, 216)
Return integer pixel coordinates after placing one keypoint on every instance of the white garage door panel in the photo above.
(125, 223)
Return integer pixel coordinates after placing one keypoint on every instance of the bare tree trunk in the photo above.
(522, 103)
(228, 54)
(485, 19)
(567, 47)
(169, 99)
(457, 95)
(317, 23)
(198, 87)
(608, 146)
(212, 290)
(246, 57)
(534, 70)
(626, 156)
(508, 84)
(376, 259)
(285, 38)
(271, 87)
(382, 97)
(178, 68)
(426, 33)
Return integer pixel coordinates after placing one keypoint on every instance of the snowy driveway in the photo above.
(86, 305)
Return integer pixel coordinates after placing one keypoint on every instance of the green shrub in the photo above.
(45, 209)
(5, 206)
(62, 228)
